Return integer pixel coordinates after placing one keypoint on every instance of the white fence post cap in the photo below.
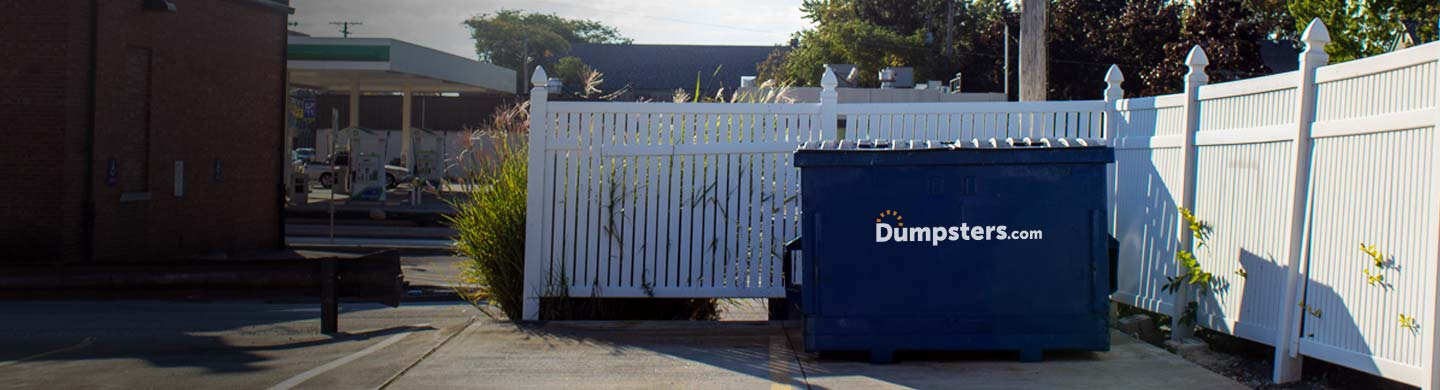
(1316, 35)
(1197, 58)
(827, 79)
(539, 79)
(1113, 75)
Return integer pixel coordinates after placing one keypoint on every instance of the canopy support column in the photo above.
(407, 144)
(354, 106)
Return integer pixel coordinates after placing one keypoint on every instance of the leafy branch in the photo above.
(1409, 323)
(1192, 273)
(1199, 228)
(1313, 311)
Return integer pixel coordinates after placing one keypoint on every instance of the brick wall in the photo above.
(212, 72)
(45, 78)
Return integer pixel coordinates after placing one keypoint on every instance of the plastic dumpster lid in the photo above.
(958, 152)
(972, 144)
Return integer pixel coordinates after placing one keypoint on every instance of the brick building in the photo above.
(138, 130)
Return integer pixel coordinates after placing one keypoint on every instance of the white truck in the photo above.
(324, 171)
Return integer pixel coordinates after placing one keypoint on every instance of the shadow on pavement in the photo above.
(224, 337)
(744, 354)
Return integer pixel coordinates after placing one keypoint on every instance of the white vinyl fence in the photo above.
(1293, 171)
(668, 199)
(698, 199)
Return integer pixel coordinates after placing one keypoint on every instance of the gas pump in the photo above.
(367, 164)
(429, 148)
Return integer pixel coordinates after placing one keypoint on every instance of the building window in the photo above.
(133, 146)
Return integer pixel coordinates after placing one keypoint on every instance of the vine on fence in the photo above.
(1409, 323)
(1382, 263)
(1192, 274)
(1376, 278)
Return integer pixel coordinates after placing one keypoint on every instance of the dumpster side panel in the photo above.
(942, 256)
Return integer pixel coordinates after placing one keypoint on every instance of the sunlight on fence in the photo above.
(1293, 170)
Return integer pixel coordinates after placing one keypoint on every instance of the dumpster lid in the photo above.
(958, 152)
(971, 144)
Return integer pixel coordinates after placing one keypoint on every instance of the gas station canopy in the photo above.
(389, 65)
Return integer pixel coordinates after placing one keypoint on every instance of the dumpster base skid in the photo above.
(882, 345)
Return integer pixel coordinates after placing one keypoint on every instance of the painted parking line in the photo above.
(83, 343)
(314, 372)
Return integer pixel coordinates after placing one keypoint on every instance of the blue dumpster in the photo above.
(913, 245)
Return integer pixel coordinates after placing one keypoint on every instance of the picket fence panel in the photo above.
(967, 121)
(671, 200)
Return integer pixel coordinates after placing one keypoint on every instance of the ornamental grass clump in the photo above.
(490, 227)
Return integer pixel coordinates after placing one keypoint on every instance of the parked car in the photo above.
(324, 171)
(303, 155)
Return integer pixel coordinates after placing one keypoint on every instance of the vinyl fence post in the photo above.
(1286, 343)
(1432, 355)
(829, 118)
(1196, 61)
(534, 196)
(1113, 94)
(1287, 357)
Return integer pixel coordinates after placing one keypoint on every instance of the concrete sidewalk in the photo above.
(764, 355)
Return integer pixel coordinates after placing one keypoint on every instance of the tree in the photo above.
(1230, 35)
(1155, 36)
(579, 78)
(516, 39)
(1081, 47)
(977, 44)
(866, 45)
(570, 70)
(1274, 19)
(1362, 28)
(1139, 36)
(874, 34)
(1147, 38)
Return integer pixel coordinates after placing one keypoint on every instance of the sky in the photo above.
(436, 23)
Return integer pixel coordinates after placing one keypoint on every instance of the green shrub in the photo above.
(490, 224)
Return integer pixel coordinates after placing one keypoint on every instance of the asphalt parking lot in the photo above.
(195, 345)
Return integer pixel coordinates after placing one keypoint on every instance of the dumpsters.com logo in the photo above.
(885, 232)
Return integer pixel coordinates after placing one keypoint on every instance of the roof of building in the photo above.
(389, 65)
(1279, 56)
(661, 67)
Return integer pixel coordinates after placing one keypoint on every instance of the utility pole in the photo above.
(345, 27)
(1034, 58)
(1007, 62)
(949, 26)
